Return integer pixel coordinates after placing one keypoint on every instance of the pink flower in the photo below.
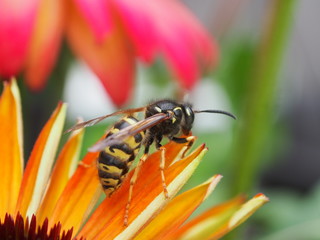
(109, 35)
(30, 36)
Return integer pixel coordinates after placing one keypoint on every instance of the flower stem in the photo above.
(258, 112)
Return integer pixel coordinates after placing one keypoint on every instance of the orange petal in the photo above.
(174, 152)
(63, 170)
(112, 58)
(39, 165)
(79, 196)
(147, 199)
(45, 43)
(178, 210)
(246, 211)
(219, 220)
(11, 147)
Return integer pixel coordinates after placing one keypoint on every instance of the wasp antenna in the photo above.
(217, 111)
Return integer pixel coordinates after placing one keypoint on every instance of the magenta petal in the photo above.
(112, 59)
(97, 16)
(186, 45)
(17, 19)
(200, 40)
(136, 19)
(181, 61)
(168, 28)
(44, 45)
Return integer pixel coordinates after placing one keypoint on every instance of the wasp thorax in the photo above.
(165, 106)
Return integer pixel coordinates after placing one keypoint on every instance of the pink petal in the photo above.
(168, 28)
(17, 19)
(96, 14)
(44, 45)
(186, 45)
(112, 59)
(136, 18)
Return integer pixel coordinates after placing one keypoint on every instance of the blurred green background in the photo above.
(268, 76)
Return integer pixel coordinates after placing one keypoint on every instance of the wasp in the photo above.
(163, 118)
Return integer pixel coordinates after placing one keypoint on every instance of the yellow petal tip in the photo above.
(213, 183)
(247, 210)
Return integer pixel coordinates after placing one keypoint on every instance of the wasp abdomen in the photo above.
(114, 161)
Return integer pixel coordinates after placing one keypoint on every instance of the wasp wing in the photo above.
(99, 119)
(131, 130)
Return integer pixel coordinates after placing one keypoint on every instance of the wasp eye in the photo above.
(177, 112)
(188, 111)
(189, 117)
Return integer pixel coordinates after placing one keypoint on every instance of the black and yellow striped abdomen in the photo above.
(114, 161)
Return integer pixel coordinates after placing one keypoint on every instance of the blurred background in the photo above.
(267, 75)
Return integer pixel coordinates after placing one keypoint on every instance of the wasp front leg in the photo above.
(190, 140)
(178, 140)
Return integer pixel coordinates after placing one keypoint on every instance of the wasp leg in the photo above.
(158, 141)
(134, 179)
(132, 182)
(190, 141)
(178, 140)
(162, 165)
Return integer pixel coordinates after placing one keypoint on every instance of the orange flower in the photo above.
(59, 197)
(109, 35)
